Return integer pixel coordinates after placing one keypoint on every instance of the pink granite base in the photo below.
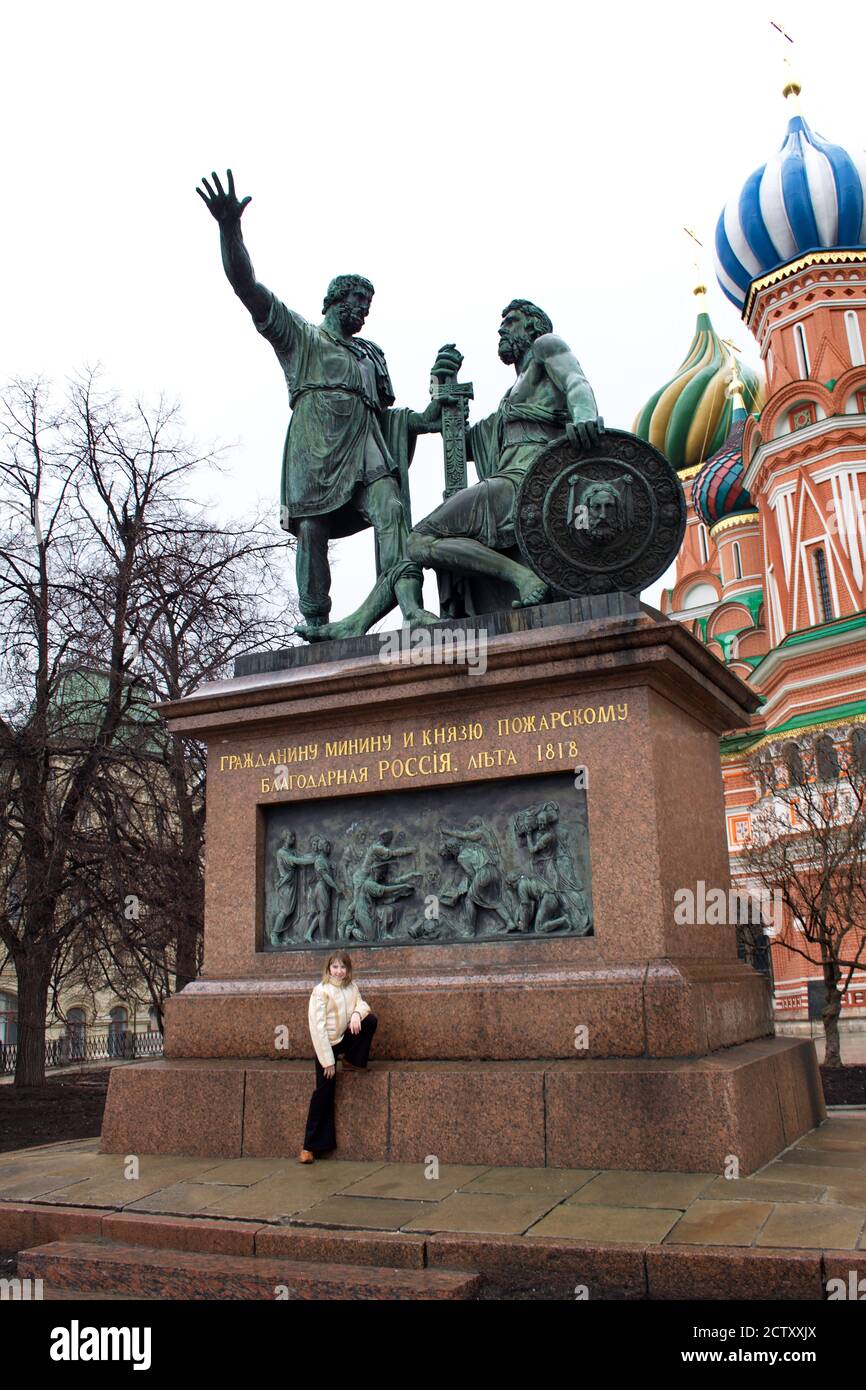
(686, 1115)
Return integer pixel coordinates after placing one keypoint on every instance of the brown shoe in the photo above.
(305, 1156)
(350, 1066)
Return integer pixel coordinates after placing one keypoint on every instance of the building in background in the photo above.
(85, 1024)
(772, 571)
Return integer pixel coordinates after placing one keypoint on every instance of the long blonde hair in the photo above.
(346, 960)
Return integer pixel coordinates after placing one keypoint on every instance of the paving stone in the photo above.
(40, 1185)
(854, 1159)
(62, 1147)
(407, 1180)
(802, 1173)
(667, 1191)
(104, 1192)
(834, 1141)
(519, 1182)
(849, 1196)
(720, 1223)
(843, 1125)
(49, 1161)
(620, 1225)
(365, 1213)
(485, 1213)
(845, 1180)
(804, 1226)
(16, 1172)
(243, 1172)
(167, 1167)
(755, 1190)
(282, 1194)
(180, 1197)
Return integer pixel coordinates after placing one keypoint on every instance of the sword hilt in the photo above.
(450, 391)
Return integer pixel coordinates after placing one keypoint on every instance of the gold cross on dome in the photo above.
(792, 87)
(700, 288)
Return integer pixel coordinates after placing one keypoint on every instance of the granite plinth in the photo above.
(474, 1057)
(687, 1115)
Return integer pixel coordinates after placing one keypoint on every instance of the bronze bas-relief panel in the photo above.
(506, 859)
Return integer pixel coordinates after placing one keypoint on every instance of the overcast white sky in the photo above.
(459, 156)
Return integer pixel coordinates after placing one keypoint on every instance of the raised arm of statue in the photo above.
(566, 373)
(227, 209)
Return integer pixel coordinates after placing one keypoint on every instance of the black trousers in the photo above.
(320, 1136)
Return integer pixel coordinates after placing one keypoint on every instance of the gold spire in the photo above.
(735, 387)
(792, 87)
(700, 289)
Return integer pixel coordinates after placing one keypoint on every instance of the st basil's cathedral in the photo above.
(771, 575)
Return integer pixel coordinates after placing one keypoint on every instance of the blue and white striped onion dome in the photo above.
(810, 197)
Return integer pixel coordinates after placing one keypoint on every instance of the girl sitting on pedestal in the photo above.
(341, 1024)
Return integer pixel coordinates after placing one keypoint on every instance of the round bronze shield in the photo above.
(600, 520)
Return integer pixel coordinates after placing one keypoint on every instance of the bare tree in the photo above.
(100, 551)
(815, 859)
(142, 859)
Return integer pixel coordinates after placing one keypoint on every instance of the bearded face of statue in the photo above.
(602, 515)
(515, 338)
(353, 311)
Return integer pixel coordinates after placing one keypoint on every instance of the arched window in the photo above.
(8, 1019)
(767, 774)
(822, 586)
(855, 341)
(793, 759)
(738, 560)
(117, 1029)
(826, 758)
(703, 544)
(76, 1032)
(858, 750)
(700, 595)
(802, 350)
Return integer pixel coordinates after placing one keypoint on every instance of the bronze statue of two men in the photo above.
(348, 449)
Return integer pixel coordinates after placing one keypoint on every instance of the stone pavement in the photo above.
(813, 1197)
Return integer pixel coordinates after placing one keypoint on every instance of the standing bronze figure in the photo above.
(347, 451)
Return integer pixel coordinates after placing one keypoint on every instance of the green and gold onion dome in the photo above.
(690, 417)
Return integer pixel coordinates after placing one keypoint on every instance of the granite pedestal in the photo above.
(647, 1044)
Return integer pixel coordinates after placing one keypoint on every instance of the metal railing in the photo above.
(71, 1049)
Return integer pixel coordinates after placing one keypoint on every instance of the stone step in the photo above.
(70, 1295)
(103, 1266)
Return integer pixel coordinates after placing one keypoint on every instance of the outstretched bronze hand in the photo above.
(586, 433)
(224, 206)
